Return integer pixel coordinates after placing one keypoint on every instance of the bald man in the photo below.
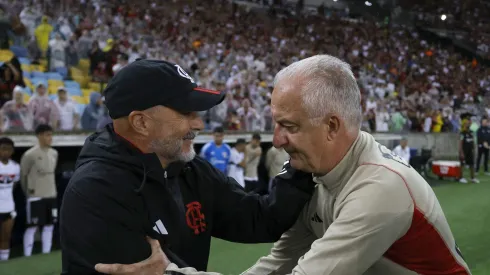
(371, 212)
(140, 177)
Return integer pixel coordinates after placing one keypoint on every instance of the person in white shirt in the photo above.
(237, 162)
(122, 61)
(69, 117)
(9, 175)
(402, 150)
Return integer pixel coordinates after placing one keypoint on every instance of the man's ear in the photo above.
(139, 122)
(332, 122)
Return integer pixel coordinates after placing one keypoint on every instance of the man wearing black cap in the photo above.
(139, 177)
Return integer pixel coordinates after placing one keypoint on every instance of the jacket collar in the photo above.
(345, 167)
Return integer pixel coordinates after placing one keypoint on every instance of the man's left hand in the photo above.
(156, 264)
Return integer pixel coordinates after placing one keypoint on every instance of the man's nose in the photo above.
(279, 139)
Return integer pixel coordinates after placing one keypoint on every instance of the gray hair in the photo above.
(330, 87)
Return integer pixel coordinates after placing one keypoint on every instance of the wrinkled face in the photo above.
(303, 141)
(171, 133)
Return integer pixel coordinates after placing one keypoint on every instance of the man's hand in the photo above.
(156, 264)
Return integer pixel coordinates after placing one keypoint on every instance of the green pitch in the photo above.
(466, 207)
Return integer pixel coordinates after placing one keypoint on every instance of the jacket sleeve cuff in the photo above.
(173, 269)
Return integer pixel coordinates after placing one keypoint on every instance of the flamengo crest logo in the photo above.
(184, 74)
(195, 218)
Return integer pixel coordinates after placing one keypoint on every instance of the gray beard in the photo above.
(171, 150)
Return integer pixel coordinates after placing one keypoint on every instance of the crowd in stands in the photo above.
(469, 16)
(61, 57)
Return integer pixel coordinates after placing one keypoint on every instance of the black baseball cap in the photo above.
(147, 83)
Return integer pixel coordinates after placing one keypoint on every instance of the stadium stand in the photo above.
(409, 81)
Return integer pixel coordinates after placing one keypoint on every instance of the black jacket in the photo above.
(483, 134)
(117, 196)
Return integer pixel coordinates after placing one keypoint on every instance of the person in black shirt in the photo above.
(140, 176)
(466, 150)
(483, 136)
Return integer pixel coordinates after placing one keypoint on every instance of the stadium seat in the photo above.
(28, 82)
(24, 60)
(82, 80)
(79, 99)
(39, 68)
(75, 71)
(6, 55)
(52, 90)
(84, 65)
(26, 67)
(63, 71)
(43, 62)
(36, 80)
(55, 83)
(74, 91)
(26, 74)
(19, 51)
(72, 84)
(95, 86)
(28, 90)
(87, 92)
(37, 74)
(56, 76)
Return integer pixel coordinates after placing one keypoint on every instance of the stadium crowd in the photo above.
(470, 18)
(408, 83)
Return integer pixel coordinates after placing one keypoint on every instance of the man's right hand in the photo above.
(156, 264)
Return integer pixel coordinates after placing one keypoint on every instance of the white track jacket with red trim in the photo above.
(372, 214)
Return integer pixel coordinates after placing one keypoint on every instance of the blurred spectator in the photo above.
(104, 119)
(42, 33)
(5, 28)
(237, 163)
(95, 56)
(69, 117)
(10, 76)
(403, 150)
(72, 52)
(249, 117)
(253, 152)
(15, 114)
(33, 50)
(275, 159)
(217, 152)
(43, 108)
(29, 16)
(122, 60)
(57, 52)
(93, 112)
